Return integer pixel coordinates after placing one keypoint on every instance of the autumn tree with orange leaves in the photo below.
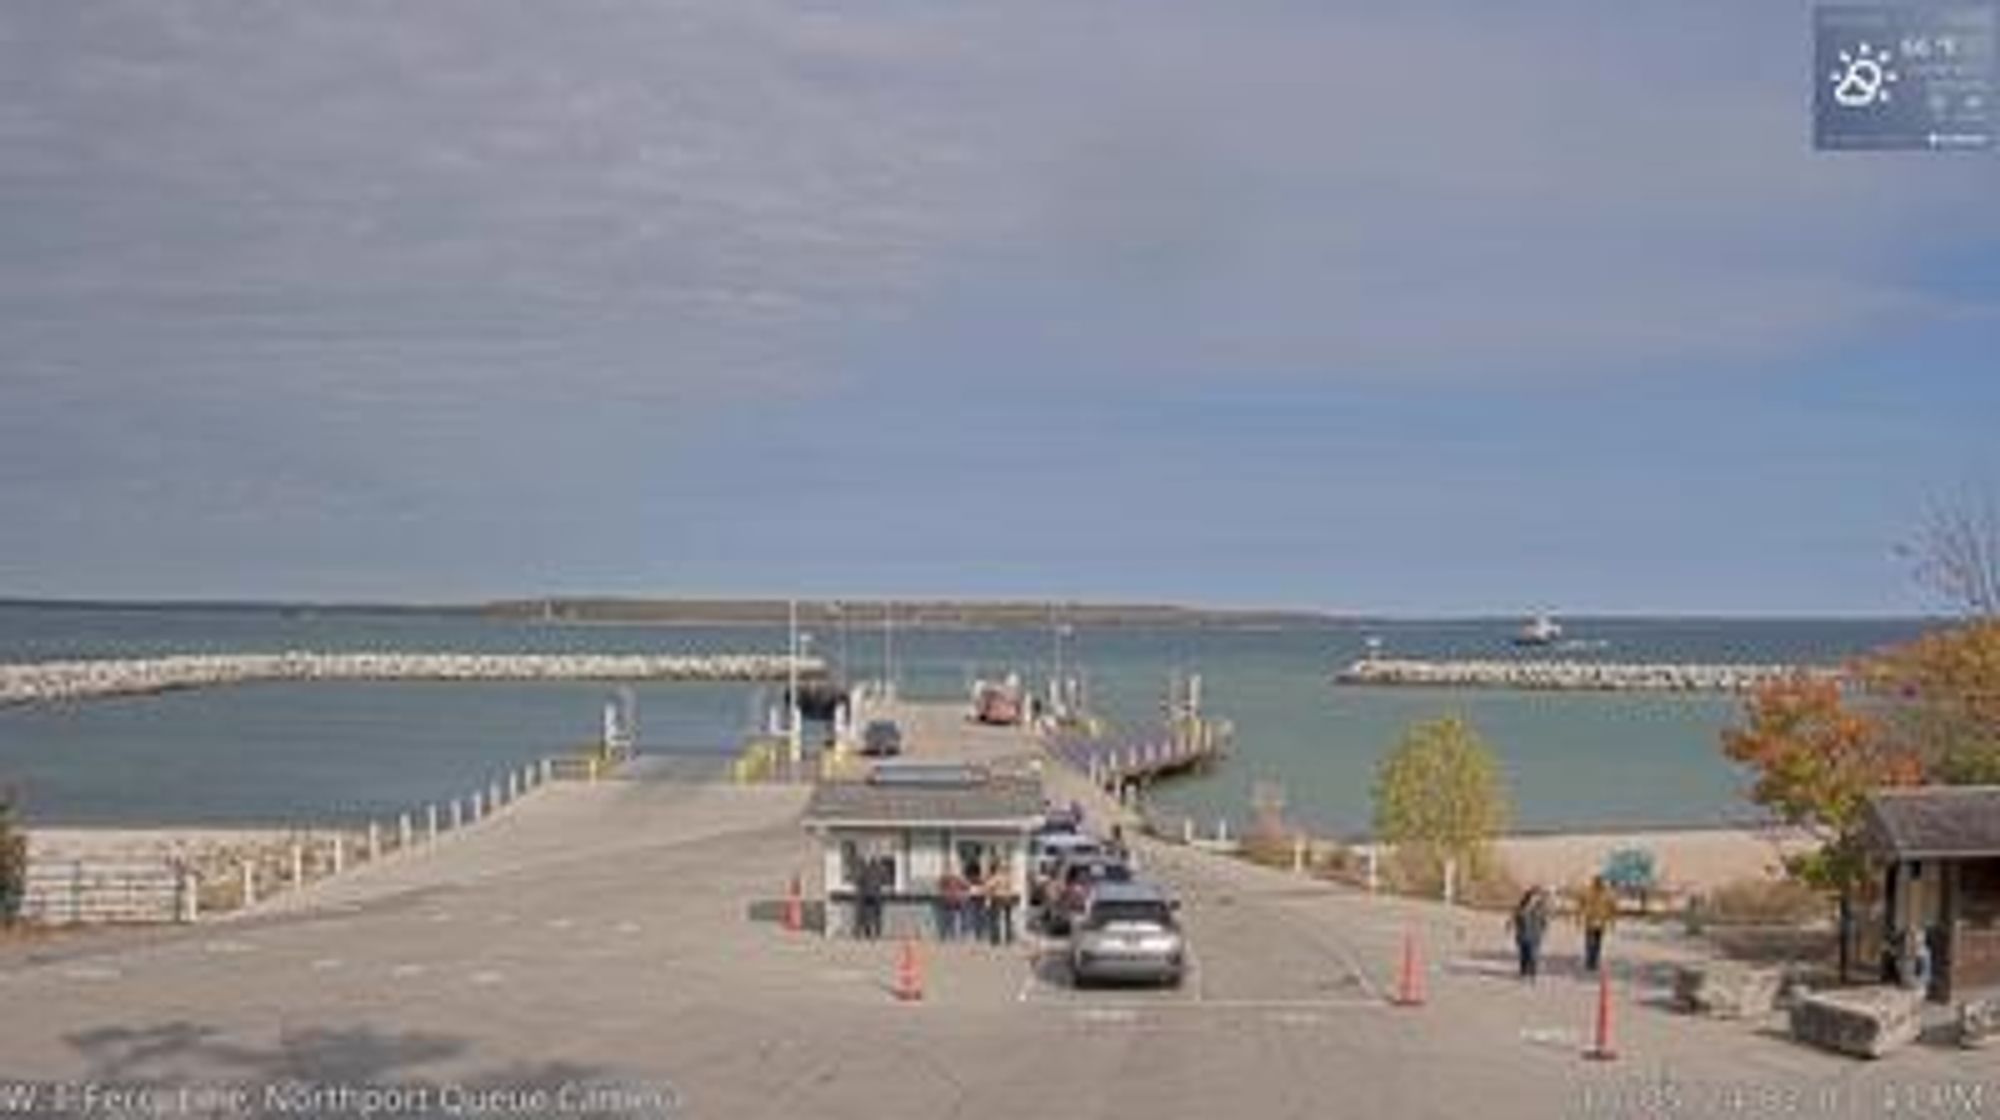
(1939, 696)
(1815, 759)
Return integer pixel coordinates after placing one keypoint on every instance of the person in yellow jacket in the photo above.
(1596, 910)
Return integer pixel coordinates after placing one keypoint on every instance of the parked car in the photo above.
(881, 739)
(1068, 891)
(1047, 850)
(1128, 932)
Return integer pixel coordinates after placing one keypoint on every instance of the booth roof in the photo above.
(998, 799)
(1931, 822)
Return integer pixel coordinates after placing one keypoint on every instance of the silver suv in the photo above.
(1127, 931)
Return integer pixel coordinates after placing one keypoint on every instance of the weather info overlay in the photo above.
(1897, 77)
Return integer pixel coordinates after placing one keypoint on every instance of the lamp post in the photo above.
(793, 731)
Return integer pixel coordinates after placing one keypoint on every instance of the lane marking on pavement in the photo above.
(326, 964)
(91, 972)
(1481, 967)
(1296, 1018)
(486, 976)
(628, 927)
(402, 971)
(1106, 1015)
(228, 947)
(559, 923)
(1561, 1038)
(440, 916)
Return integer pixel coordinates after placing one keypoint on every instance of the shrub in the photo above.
(1764, 902)
(13, 862)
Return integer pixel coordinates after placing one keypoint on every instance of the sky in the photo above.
(1427, 308)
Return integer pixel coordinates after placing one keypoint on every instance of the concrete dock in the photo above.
(602, 935)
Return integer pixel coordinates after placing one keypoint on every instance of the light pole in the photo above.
(839, 610)
(888, 649)
(793, 732)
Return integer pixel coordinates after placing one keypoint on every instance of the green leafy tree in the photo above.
(1439, 796)
(13, 862)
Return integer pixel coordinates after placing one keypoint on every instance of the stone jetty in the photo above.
(1578, 676)
(22, 683)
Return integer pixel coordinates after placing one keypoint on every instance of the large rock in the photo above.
(1726, 989)
(1865, 1022)
(1978, 1022)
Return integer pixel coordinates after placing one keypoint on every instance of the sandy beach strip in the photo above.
(1686, 860)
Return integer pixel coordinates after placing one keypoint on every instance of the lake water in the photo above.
(277, 753)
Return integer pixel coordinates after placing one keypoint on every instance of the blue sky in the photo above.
(1434, 310)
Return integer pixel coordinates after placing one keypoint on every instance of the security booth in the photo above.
(908, 824)
(1939, 851)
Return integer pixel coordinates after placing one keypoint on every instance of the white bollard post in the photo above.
(1450, 881)
(404, 833)
(457, 814)
(298, 865)
(548, 769)
(187, 896)
(478, 809)
(493, 796)
(374, 841)
(249, 873)
(1187, 831)
(1222, 830)
(513, 785)
(1299, 854)
(1374, 869)
(339, 860)
(431, 821)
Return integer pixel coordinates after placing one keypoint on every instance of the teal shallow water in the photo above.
(283, 752)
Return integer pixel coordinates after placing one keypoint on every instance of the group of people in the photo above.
(977, 903)
(1596, 912)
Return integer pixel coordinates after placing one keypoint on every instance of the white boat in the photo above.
(1539, 631)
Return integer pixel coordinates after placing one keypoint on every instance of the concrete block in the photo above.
(1726, 989)
(1979, 1022)
(1864, 1022)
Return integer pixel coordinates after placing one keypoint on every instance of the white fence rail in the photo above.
(68, 888)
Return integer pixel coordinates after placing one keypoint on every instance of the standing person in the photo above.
(1000, 900)
(976, 903)
(1596, 910)
(1529, 921)
(951, 905)
(870, 889)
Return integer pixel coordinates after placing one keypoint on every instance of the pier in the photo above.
(22, 683)
(1111, 762)
(1572, 676)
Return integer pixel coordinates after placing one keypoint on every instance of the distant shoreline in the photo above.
(914, 613)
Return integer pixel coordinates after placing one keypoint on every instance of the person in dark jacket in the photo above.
(1529, 922)
(868, 886)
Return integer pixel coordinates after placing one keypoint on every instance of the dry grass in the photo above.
(1767, 902)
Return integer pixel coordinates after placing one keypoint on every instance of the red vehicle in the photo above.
(997, 703)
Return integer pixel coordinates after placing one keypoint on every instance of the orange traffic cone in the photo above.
(795, 918)
(1410, 981)
(1601, 1050)
(909, 973)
